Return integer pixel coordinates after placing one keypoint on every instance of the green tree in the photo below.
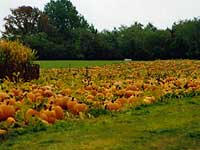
(187, 38)
(64, 16)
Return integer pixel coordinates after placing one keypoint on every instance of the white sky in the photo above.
(107, 14)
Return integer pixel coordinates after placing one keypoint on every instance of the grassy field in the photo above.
(170, 125)
(73, 63)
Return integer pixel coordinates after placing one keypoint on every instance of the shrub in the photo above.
(15, 53)
(16, 61)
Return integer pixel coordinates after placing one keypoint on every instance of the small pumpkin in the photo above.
(71, 104)
(3, 96)
(17, 92)
(66, 92)
(6, 111)
(61, 101)
(121, 101)
(31, 113)
(51, 116)
(59, 112)
(79, 108)
(129, 93)
(113, 106)
(48, 115)
(31, 97)
(10, 121)
(48, 93)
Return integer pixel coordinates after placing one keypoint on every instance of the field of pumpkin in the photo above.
(62, 94)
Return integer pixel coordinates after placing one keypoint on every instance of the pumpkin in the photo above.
(109, 95)
(66, 92)
(51, 116)
(38, 97)
(59, 112)
(94, 92)
(71, 104)
(10, 121)
(47, 93)
(3, 132)
(17, 92)
(90, 97)
(132, 99)
(100, 95)
(121, 101)
(61, 101)
(3, 96)
(1, 114)
(31, 113)
(129, 93)
(43, 116)
(132, 88)
(11, 101)
(6, 111)
(79, 108)
(149, 100)
(48, 115)
(120, 92)
(113, 106)
(31, 97)
(89, 87)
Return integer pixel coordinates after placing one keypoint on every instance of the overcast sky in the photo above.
(107, 14)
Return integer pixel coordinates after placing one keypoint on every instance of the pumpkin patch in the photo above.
(60, 94)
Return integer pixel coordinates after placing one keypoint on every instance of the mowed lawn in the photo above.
(74, 63)
(170, 125)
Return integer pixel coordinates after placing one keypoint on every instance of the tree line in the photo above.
(61, 32)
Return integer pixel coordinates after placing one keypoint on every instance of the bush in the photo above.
(16, 59)
(15, 53)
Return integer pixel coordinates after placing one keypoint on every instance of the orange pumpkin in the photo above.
(132, 88)
(79, 108)
(120, 92)
(121, 101)
(90, 97)
(1, 114)
(94, 92)
(11, 101)
(3, 132)
(51, 116)
(47, 93)
(10, 121)
(3, 96)
(43, 116)
(6, 111)
(66, 92)
(61, 101)
(129, 93)
(89, 87)
(71, 104)
(149, 100)
(31, 113)
(132, 99)
(17, 92)
(100, 95)
(113, 106)
(31, 97)
(59, 112)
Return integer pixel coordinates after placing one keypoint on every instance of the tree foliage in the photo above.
(23, 21)
(60, 32)
(64, 16)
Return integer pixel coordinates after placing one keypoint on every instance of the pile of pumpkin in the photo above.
(43, 103)
(47, 106)
(113, 88)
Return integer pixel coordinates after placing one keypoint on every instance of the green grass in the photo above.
(73, 63)
(171, 125)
